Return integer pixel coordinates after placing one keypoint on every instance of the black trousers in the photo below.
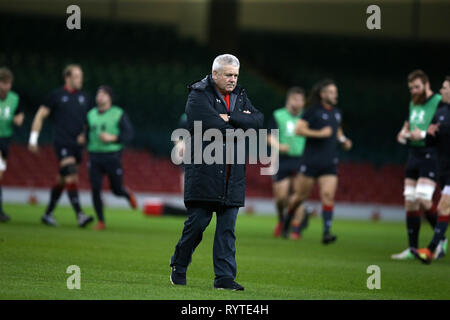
(224, 250)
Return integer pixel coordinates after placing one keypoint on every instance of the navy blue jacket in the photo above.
(207, 182)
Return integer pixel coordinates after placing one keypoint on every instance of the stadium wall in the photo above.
(190, 17)
(407, 19)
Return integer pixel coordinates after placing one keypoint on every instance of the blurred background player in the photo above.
(290, 147)
(441, 130)
(10, 115)
(108, 129)
(67, 107)
(421, 170)
(321, 125)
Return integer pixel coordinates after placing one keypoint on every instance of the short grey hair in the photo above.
(224, 60)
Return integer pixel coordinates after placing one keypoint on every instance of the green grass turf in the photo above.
(131, 260)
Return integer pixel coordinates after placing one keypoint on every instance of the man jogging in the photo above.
(108, 129)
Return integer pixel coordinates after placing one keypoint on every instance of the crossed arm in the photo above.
(199, 108)
(42, 113)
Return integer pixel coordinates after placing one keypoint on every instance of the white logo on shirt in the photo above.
(65, 99)
(81, 99)
(418, 116)
(6, 112)
(441, 118)
(324, 116)
(290, 128)
(338, 117)
(218, 100)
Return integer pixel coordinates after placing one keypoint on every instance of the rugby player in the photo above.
(321, 125)
(67, 107)
(11, 115)
(421, 172)
(290, 147)
(440, 128)
(108, 129)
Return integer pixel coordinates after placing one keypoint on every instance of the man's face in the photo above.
(226, 78)
(295, 103)
(5, 86)
(445, 91)
(329, 95)
(102, 98)
(75, 80)
(417, 91)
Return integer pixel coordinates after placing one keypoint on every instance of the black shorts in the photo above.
(318, 169)
(288, 166)
(64, 151)
(4, 147)
(422, 164)
(105, 163)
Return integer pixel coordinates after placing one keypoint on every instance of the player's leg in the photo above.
(327, 188)
(224, 250)
(68, 170)
(3, 216)
(308, 212)
(182, 180)
(281, 194)
(197, 221)
(69, 173)
(424, 193)
(303, 186)
(412, 207)
(426, 184)
(442, 224)
(55, 195)
(95, 179)
(114, 171)
(426, 255)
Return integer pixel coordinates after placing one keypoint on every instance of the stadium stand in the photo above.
(145, 172)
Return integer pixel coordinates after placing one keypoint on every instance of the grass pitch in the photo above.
(130, 260)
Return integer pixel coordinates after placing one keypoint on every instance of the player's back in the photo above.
(442, 117)
(318, 117)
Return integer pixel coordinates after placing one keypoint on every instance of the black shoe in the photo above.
(177, 278)
(84, 220)
(49, 220)
(4, 217)
(328, 238)
(229, 285)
